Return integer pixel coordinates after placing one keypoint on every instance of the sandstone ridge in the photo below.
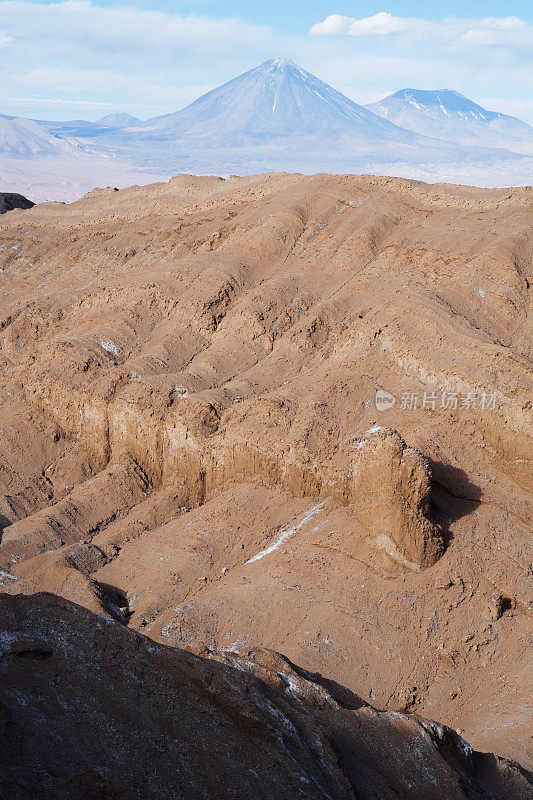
(192, 443)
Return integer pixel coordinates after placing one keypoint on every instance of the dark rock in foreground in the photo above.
(10, 200)
(91, 709)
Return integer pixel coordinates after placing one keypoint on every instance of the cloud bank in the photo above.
(488, 32)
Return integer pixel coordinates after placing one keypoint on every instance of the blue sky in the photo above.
(83, 58)
(299, 16)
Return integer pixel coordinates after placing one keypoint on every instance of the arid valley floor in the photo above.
(275, 413)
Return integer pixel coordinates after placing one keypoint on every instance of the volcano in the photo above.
(276, 99)
(278, 116)
(452, 116)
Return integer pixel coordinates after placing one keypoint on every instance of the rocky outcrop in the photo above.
(10, 200)
(390, 493)
(92, 710)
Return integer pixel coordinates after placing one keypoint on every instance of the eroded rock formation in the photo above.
(189, 377)
(390, 494)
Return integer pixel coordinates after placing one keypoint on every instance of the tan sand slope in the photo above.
(199, 438)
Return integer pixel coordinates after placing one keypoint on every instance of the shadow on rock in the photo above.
(453, 496)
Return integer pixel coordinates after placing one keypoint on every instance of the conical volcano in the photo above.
(277, 98)
(280, 117)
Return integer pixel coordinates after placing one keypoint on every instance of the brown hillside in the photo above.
(191, 442)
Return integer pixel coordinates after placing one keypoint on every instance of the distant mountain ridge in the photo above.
(24, 137)
(119, 119)
(445, 100)
(450, 115)
(279, 117)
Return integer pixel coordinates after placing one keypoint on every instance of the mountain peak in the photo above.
(276, 98)
(276, 63)
(433, 101)
(120, 119)
(448, 114)
(427, 93)
(442, 99)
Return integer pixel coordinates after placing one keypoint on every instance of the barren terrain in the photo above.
(191, 442)
(140, 721)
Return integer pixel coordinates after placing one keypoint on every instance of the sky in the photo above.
(82, 59)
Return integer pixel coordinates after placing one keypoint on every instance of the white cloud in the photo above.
(82, 27)
(503, 32)
(380, 24)
(150, 60)
(76, 81)
(334, 25)
(105, 84)
(487, 32)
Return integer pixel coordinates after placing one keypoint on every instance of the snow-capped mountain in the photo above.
(277, 98)
(277, 117)
(449, 115)
(24, 137)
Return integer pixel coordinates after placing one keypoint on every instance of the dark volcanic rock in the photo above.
(9, 201)
(91, 709)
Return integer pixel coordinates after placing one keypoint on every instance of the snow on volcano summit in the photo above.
(277, 98)
(446, 114)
